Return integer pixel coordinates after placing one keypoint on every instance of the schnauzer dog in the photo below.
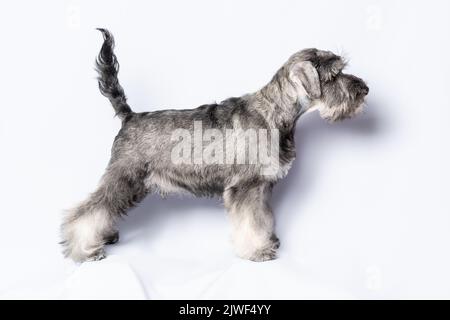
(145, 156)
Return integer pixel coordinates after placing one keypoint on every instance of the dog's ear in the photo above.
(308, 76)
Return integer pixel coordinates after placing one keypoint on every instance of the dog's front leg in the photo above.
(252, 220)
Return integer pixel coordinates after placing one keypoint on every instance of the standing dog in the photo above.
(147, 157)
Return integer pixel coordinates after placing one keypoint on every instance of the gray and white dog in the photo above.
(142, 158)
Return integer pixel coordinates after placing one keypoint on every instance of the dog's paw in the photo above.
(264, 255)
(267, 253)
(113, 238)
(97, 255)
(275, 241)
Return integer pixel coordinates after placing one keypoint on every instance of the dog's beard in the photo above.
(337, 113)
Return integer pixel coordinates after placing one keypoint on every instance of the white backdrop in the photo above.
(364, 212)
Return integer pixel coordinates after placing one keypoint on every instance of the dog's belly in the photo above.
(161, 184)
(171, 182)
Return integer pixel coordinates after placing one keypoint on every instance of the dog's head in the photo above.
(318, 77)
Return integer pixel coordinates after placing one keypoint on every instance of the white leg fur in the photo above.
(250, 240)
(84, 235)
(252, 224)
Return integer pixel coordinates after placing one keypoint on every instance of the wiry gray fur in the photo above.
(141, 153)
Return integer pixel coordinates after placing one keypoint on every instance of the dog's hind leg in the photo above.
(252, 220)
(91, 225)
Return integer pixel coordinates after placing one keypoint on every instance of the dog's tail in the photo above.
(107, 67)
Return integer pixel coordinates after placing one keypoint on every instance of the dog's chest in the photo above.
(281, 160)
(286, 151)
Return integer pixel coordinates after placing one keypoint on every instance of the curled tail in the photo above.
(107, 67)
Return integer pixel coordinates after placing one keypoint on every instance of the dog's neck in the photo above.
(280, 103)
(306, 105)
